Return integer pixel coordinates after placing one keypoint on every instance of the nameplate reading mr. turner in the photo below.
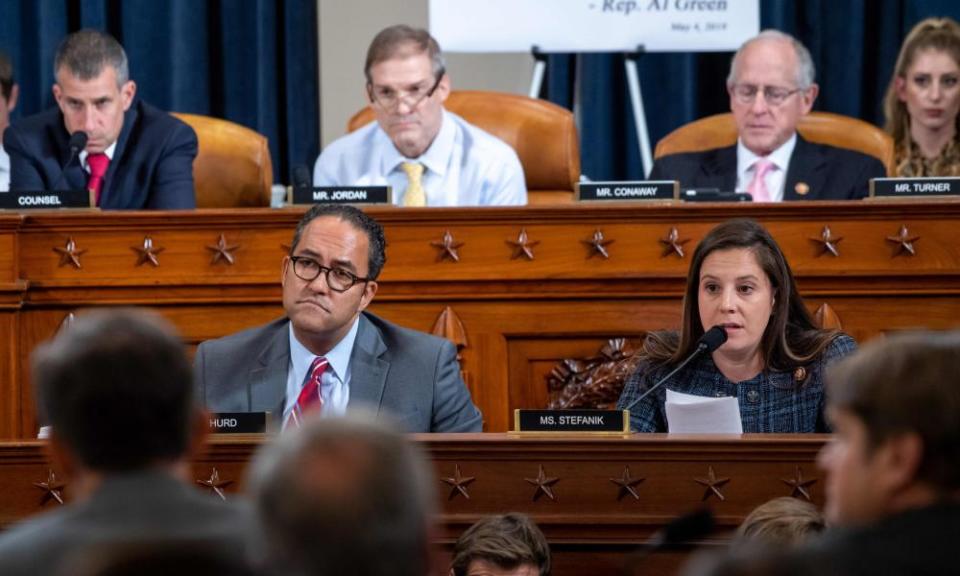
(342, 195)
(594, 421)
(238, 422)
(914, 187)
(36, 199)
(630, 191)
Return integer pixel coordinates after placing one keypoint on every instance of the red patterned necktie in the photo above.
(310, 400)
(98, 164)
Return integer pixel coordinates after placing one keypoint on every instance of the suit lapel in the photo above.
(108, 195)
(368, 371)
(720, 169)
(74, 176)
(267, 382)
(806, 172)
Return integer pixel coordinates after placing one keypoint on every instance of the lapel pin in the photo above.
(800, 374)
(801, 188)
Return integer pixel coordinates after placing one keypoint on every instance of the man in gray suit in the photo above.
(328, 354)
(116, 389)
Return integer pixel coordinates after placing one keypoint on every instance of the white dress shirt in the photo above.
(111, 149)
(465, 166)
(776, 177)
(335, 382)
(4, 170)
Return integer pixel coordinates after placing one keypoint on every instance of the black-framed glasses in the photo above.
(388, 98)
(338, 279)
(772, 95)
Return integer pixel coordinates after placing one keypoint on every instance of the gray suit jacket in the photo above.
(412, 377)
(138, 507)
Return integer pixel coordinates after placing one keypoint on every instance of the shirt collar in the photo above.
(436, 155)
(338, 357)
(780, 157)
(111, 149)
(4, 160)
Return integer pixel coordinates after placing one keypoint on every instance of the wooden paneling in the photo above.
(518, 315)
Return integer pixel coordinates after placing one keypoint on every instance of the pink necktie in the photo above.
(98, 164)
(758, 186)
(310, 400)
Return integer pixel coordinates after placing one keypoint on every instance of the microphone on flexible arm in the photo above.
(710, 341)
(679, 531)
(78, 141)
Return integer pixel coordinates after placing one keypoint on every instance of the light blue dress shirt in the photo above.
(335, 383)
(465, 166)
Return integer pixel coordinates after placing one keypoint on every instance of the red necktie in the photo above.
(98, 164)
(310, 400)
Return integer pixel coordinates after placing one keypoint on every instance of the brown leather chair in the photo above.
(820, 127)
(233, 167)
(543, 134)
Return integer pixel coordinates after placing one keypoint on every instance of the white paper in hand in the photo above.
(689, 414)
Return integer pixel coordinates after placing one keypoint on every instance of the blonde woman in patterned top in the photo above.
(923, 99)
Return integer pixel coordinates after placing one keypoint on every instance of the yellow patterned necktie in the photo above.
(414, 196)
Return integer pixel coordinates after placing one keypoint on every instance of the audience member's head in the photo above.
(117, 389)
(895, 409)
(782, 522)
(9, 91)
(93, 86)
(343, 496)
(507, 545)
(407, 85)
(771, 86)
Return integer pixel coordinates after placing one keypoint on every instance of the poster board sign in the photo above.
(593, 25)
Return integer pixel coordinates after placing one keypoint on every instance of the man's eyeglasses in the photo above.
(338, 279)
(772, 95)
(388, 98)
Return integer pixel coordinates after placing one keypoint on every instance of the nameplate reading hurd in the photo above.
(36, 199)
(572, 421)
(343, 195)
(628, 191)
(914, 187)
(239, 422)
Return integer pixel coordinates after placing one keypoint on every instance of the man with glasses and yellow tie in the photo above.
(771, 87)
(428, 155)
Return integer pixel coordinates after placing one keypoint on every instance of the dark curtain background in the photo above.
(253, 62)
(854, 44)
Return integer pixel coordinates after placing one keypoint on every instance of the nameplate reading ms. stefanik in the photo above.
(46, 199)
(572, 421)
(343, 195)
(239, 422)
(628, 191)
(914, 187)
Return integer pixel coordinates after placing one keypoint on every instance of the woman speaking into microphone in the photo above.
(773, 358)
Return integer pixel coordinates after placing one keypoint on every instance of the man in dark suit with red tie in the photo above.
(136, 156)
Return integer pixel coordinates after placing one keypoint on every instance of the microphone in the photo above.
(710, 341)
(78, 141)
(686, 528)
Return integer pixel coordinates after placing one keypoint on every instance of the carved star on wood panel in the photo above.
(673, 244)
(598, 244)
(448, 247)
(147, 252)
(523, 245)
(712, 483)
(215, 484)
(544, 485)
(627, 484)
(223, 251)
(458, 483)
(53, 488)
(799, 486)
(828, 242)
(69, 254)
(904, 241)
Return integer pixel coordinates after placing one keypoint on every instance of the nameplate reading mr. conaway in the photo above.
(35, 199)
(342, 195)
(238, 422)
(606, 421)
(914, 187)
(629, 191)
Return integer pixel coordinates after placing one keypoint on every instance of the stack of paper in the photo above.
(688, 414)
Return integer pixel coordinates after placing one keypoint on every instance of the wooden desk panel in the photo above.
(514, 317)
(591, 523)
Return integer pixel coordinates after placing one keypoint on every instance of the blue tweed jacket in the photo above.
(769, 402)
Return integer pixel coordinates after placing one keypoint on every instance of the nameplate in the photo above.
(714, 195)
(914, 187)
(239, 422)
(343, 195)
(572, 421)
(629, 191)
(46, 199)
